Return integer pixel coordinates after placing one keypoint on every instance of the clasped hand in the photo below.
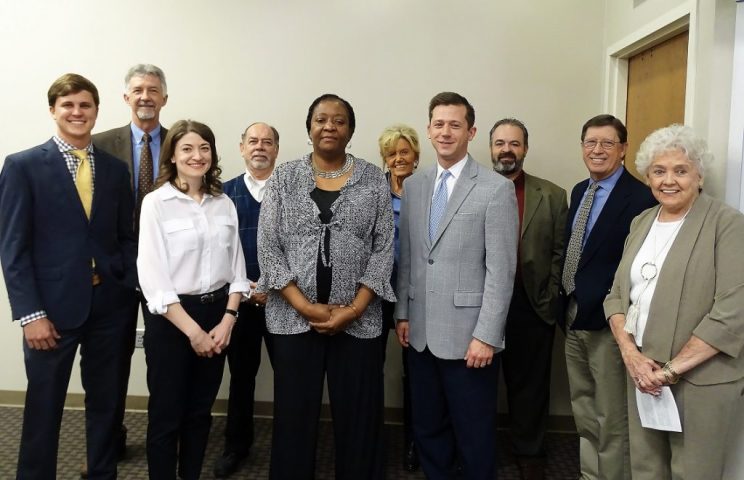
(645, 373)
(328, 319)
(208, 344)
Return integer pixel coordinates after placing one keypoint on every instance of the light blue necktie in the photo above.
(438, 204)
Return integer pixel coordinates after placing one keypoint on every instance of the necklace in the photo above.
(648, 271)
(348, 163)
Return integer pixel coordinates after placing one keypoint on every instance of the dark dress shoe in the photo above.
(410, 459)
(228, 464)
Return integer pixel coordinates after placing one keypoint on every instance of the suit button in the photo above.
(431, 262)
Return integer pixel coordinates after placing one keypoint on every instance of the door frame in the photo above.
(653, 33)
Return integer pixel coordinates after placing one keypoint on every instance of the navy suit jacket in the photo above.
(604, 246)
(47, 242)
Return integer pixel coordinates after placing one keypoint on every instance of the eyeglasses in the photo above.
(604, 144)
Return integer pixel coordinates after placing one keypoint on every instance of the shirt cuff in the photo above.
(158, 304)
(32, 317)
(240, 287)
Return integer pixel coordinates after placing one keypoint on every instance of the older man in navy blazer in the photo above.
(458, 236)
(599, 217)
(68, 255)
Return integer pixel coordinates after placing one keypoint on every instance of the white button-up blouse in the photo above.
(187, 248)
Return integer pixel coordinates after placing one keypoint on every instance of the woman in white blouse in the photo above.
(192, 274)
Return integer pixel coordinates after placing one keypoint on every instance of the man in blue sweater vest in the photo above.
(259, 148)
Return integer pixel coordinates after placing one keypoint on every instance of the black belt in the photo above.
(207, 298)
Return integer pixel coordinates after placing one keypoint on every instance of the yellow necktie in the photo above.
(84, 180)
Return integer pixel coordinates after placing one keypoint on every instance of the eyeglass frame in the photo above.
(603, 144)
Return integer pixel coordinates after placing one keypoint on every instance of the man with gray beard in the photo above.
(530, 324)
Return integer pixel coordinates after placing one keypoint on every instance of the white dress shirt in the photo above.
(188, 248)
(257, 188)
(455, 171)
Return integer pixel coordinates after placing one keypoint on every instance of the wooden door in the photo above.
(656, 91)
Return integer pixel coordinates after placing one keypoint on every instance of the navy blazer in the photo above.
(604, 246)
(47, 242)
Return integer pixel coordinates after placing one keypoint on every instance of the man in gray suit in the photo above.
(138, 145)
(458, 237)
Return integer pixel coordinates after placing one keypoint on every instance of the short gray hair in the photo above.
(142, 69)
(674, 137)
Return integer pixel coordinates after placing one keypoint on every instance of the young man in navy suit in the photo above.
(68, 254)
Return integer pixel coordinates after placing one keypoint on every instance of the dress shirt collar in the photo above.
(609, 183)
(256, 187)
(170, 192)
(138, 133)
(65, 147)
(455, 169)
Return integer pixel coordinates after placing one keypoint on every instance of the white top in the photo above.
(455, 171)
(187, 248)
(257, 188)
(653, 251)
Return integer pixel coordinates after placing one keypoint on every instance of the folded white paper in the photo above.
(658, 413)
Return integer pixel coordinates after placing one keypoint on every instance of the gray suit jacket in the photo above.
(118, 142)
(700, 290)
(541, 245)
(459, 285)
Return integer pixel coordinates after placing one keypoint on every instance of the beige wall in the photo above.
(710, 66)
(233, 62)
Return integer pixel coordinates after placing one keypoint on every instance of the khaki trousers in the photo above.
(597, 380)
(711, 418)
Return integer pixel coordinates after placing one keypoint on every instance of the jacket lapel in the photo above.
(662, 315)
(427, 193)
(532, 199)
(462, 188)
(99, 184)
(616, 203)
(66, 193)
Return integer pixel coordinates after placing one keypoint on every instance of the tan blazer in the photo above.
(700, 290)
(541, 245)
(118, 142)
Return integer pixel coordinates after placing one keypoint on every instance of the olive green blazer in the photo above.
(700, 290)
(541, 245)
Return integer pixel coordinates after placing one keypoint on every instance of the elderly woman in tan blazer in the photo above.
(676, 309)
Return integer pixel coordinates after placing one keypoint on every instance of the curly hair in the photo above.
(674, 137)
(167, 172)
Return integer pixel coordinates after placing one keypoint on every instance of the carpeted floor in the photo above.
(562, 450)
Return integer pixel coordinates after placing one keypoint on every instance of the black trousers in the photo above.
(182, 387)
(526, 364)
(454, 416)
(244, 359)
(388, 324)
(102, 355)
(353, 367)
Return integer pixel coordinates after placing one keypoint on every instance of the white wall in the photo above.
(233, 62)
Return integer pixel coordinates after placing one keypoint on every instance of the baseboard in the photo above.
(556, 423)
